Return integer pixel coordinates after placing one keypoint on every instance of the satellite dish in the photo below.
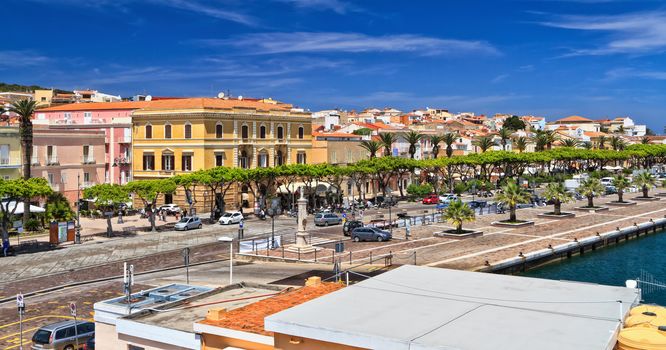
(240, 98)
(149, 98)
(220, 95)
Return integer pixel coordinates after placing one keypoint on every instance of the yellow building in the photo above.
(10, 153)
(179, 136)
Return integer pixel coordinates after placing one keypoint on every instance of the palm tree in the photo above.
(617, 143)
(620, 183)
(645, 140)
(601, 141)
(588, 145)
(449, 140)
(551, 137)
(512, 195)
(556, 192)
(458, 213)
(541, 140)
(435, 140)
(645, 181)
(25, 109)
(620, 130)
(570, 143)
(590, 188)
(521, 144)
(371, 146)
(387, 140)
(413, 138)
(484, 143)
(505, 135)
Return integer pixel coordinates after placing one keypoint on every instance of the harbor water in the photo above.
(643, 258)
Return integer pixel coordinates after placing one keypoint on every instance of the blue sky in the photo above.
(594, 58)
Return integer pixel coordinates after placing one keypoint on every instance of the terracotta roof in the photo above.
(595, 133)
(98, 106)
(250, 318)
(336, 134)
(215, 103)
(574, 119)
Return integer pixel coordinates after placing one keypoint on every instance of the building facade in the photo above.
(172, 137)
(10, 153)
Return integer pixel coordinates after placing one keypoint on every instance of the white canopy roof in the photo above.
(21, 207)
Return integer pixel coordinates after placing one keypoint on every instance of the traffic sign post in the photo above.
(72, 311)
(128, 282)
(20, 304)
(186, 257)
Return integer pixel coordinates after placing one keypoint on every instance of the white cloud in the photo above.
(275, 43)
(625, 73)
(499, 78)
(21, 59)
(633, 33)
(337, 6)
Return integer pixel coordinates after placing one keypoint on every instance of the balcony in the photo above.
(9, 162)
(52, 160)
(124, 139)
(87, 159)
(55, 187)
(35, 160)
(122, 161)
(86, 184)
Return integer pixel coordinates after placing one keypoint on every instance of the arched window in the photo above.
(149, 131)
(218, 131)
(280, 132)
(245, 132)
(262, 132)
(301, 132)
(167, 131)
(188, 130)
(278, 158)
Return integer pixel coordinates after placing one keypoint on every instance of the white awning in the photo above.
(19, 210)
(320, 187)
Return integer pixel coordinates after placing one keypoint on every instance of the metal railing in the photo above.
(52, 160)
(88, 159)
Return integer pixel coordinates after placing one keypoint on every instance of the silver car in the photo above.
(188, 222)
(325, 219)
(62, 335)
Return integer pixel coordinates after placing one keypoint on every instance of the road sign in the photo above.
(241, 223)
(344, 215)
(72, 309)
(19, 300)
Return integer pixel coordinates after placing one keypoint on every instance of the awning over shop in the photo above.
(19, 210)
(320, 187)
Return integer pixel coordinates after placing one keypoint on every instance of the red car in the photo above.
(431, 199)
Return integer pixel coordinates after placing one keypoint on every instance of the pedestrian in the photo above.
(184, 212)
(5, 246)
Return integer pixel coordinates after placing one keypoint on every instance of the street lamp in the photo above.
(77, 235)
(231, 256)
(390, 203)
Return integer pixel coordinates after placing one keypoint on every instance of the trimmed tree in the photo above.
(621, 183)
(108, 197)
(149, 191)
(556, 192)
(372, 147)
(512, 195)
(13, 192)
(25, 109)
(591, 188)
(458, 213)
(645, 181)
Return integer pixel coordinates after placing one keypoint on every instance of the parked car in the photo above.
(386, 201)
(607, 181)
(350, 225)
(431, 199)
(188, 222)
(171, 209)
(370, 234)
(442, 206)
(477, 204)
(610, 190)
(62, 335)
(230, 217)
(325, 219)
(90, 344)
(448, 197)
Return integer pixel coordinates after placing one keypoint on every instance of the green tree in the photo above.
(550, 137)
(108, 197)
(372, 147)
(514, 123)
(458, 213)
(645, 181)
(484, 143)
(521, 144)
(617, 143)
(512, 195)
(435, 140)
(645, 140)
(621, 183)
(25, 109)
(505, 136)
(587, 145)
(556, 192)
(413, 139)
(419, 190)
(650, 132)
(387, 140)
(570, 143)
(363, 131)
(591, 188)
(449, 140)
(148, 192)
(13, 192)
(58, 208)
(540, 141)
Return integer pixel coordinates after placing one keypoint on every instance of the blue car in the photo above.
(442, 205)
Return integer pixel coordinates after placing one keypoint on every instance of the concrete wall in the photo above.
(215, 342)
(287, 342)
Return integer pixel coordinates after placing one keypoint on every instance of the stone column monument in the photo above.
(302, 236)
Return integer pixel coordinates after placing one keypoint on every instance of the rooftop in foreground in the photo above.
(421, 308)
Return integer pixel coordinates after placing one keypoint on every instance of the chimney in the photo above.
(313, 281)
(215, 315)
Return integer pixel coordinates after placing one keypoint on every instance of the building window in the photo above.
(51, 179)
(4, 154)
(87, 117)
(263, 160)
(167, 162)
(86, 178)
(68, 116)
(300, 158)
(187, 162)
(88, 155)
(149, 131)
(134, 347)
(262, 132)
(350, 156)
(148, 161)
(51, 155)
(334, 157)
(280, 132)
(243, 161)
(279, 159)
(245, 132)
(43, 99)
(188, 131)
(219, 159)
(218, 131)
(167, 131)
(301, 132)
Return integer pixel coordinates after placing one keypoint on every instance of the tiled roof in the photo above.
(336, 134)
(574, 119)
(250, 318)
(215, 103)
(98, 106)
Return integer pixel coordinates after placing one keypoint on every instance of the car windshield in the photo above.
(227, 215)
(41, 337)
(184, 220)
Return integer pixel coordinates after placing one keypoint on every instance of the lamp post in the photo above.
(231, 256)
(77, 235)
(390, 203)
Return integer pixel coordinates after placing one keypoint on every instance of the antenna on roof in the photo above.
(149, 98)
(220, 95)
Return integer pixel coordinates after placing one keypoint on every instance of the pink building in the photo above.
(112, 118)
(66, 155)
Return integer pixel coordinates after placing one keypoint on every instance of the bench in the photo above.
(29, 244)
